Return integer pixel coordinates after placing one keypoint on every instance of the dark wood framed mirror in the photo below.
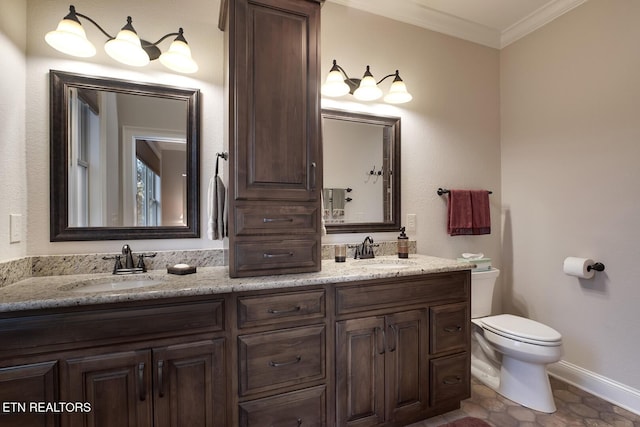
(124, 159)
(361, 176)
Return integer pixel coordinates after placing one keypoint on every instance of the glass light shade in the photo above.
(334, 85)
(178, 58)
(69, 37)
(126, 48)
(398, 93)
(368, 90)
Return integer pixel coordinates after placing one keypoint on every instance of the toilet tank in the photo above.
(482, 285)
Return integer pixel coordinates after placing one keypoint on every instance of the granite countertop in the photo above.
(64, 291)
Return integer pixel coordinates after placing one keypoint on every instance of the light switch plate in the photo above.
(15, 228)
(411, 223)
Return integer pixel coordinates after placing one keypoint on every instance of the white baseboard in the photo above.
(605, 388)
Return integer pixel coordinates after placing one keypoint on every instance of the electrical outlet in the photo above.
(411, 223)
(15, 228)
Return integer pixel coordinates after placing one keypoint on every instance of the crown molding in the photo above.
(421, 16)
(411, 12)
(537, 19)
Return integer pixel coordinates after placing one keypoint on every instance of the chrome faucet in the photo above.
(124, 263)
(128, 256)
(365, 250)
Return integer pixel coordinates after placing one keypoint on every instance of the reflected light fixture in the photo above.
(338, 83)
(70, 38)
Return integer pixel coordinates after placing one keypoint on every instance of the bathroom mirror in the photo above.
(361, 177)
(124, 159)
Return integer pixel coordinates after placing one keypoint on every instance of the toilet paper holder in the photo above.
(597, 266)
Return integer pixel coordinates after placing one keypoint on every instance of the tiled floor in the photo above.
(575, 408)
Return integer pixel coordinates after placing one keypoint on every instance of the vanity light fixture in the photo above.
(338, 83)
(70, 38)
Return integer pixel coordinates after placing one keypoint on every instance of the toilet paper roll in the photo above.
(574, 266)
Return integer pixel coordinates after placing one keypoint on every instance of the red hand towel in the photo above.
(460, 214)
(481, 212)
(469, 212)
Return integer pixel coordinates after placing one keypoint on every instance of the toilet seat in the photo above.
(522, 329)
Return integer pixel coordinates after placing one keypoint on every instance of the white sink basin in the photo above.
(116, 283)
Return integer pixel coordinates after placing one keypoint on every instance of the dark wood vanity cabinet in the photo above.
(176, 385)
(282, 358)
(26, 382)
(381, 352)
(275, 167)
(158, 364)
(402, 349)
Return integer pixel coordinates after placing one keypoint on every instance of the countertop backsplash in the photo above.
(57, 265)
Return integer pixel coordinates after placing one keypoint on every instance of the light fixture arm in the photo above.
(179, 34)
(396, 75)
(73, 15)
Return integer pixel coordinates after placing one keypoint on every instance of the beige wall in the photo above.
(570, 101)
(13, 170)
(451, 129)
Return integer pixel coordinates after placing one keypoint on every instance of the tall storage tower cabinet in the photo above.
(275, 153)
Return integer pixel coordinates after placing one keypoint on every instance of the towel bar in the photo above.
(442, 191)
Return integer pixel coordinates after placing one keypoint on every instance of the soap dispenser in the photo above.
(403, 244)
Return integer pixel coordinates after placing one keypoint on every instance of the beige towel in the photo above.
(216, 209)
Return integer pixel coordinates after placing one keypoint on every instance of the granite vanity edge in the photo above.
(41, 293)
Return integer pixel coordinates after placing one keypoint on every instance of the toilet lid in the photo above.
(521, 329)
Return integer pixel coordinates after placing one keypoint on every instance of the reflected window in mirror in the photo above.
(361, 172)
(124, 159)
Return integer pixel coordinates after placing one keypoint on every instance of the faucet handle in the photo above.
(141, 263)
(118, 264)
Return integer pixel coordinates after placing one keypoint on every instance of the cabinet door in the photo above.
(117, 385)
(276, 103)
(407, 364)
(190, 384)
(23, 385)
(360, 383)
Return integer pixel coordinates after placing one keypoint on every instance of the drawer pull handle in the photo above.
(285, 255)
(292, 310)
(141, 383)
(394, 342)
(381, 348)
(291, 362)
(268, 220)
(313, 172)
(452, 380)
(453, 328)
(160, 378)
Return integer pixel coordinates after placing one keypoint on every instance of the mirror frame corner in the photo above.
(393, 123)
(59, 82)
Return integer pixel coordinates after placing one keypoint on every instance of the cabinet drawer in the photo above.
(277, 359)
(276, 219)
(300, 408)
(121, 323)
(393, 292)
(449, 327)
(281, 307)
(271, 256)
(450, 378)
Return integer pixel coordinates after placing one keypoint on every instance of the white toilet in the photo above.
(510, 353)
